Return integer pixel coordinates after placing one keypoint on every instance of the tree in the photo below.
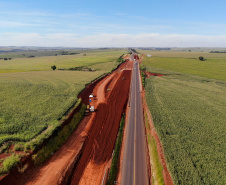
(201, 58)
(53, 67)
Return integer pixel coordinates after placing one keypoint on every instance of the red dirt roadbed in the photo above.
(99, 146)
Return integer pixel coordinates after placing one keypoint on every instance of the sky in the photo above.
(118, 23)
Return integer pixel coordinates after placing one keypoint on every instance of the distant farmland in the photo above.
(188, 109)
(40, 62)
(212, 67)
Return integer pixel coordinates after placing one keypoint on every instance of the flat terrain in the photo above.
(213, 67)
(34, 100)
(188, 110)
(43, 60)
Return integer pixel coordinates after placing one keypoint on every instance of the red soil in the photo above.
(127, 56)
(84, 95)
(136, 57)
(100, 143)
(153, 74)
(166, 175)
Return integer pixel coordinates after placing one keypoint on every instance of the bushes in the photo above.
(4, 147)
(53, 67)
(18, 147)
(60, 137)
(10, 163)
(33, 144)
(143, 75)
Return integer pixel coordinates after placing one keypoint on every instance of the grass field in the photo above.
(214, 67)
(44, 63)
(189, 115)
(33, 100)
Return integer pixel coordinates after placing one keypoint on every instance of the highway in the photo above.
(134, 165)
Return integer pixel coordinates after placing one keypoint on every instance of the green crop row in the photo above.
(189, 116)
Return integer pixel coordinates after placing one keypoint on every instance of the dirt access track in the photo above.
(84, 156)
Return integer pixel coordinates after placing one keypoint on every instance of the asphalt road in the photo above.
(134, 166)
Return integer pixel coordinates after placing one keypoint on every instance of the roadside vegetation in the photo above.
(116, 157)
(10, 163)
(156, 166)
(61, 135)
(188, 109)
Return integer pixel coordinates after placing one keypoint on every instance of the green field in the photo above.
(44, 63)
(34, 100)
(188, 110)
(214, 67)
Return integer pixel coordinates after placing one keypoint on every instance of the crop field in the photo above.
(189, 115)
(213, 67)
(44, 63)
(32, 101)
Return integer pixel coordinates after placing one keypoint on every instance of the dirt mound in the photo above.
(153, 74)
(136, 57)
(100, 143)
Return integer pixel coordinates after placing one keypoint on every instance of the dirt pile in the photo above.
(100, 142)
(136, 57)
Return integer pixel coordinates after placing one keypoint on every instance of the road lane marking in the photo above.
(134, 172)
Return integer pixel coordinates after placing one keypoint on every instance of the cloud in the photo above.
(111, 40)
(13, 24)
